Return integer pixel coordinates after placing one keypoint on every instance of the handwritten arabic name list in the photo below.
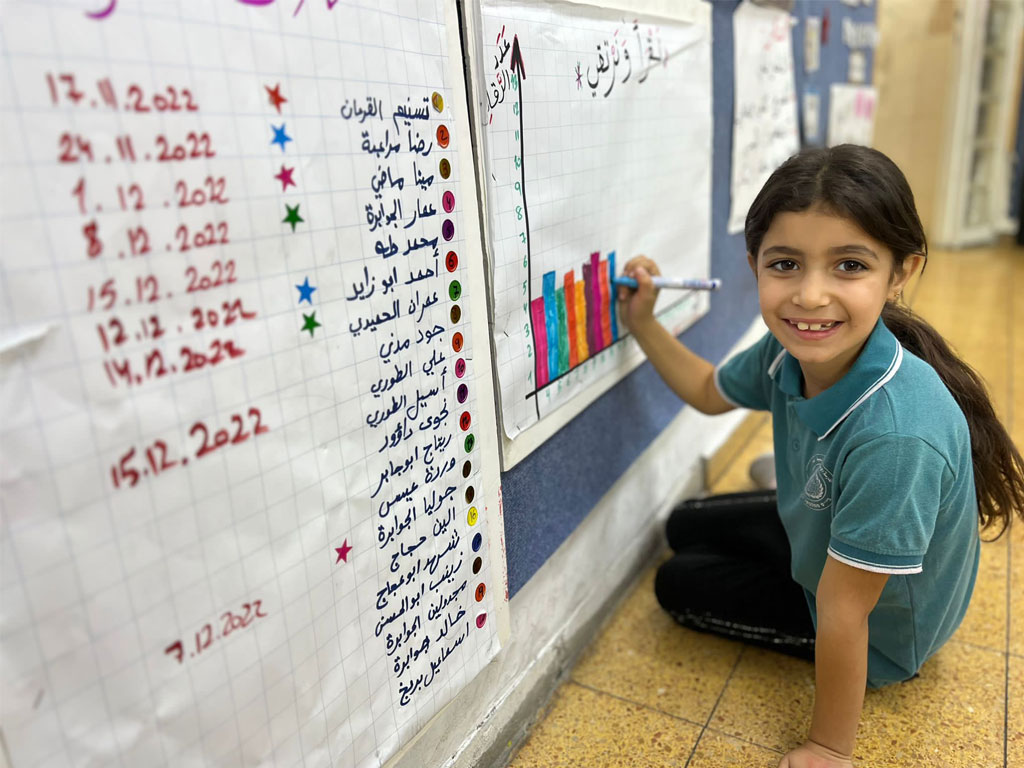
(405, 312)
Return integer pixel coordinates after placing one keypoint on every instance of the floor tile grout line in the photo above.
(632, 701)
(711, 714)
(1009, 544)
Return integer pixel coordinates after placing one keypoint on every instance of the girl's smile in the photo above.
(822, 283)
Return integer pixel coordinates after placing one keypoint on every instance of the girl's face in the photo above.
(822, 282)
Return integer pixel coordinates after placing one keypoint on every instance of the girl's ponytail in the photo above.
(998, 467)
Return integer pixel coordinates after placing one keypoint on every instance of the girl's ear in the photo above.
(752, 261)
(911, 265)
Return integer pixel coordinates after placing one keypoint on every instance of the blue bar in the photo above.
(551, 322)
(614, 293)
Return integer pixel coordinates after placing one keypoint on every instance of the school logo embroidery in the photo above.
(818, 489)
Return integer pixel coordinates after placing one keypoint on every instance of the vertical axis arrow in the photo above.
(519, 69)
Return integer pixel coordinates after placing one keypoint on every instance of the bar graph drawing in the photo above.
(596, 139)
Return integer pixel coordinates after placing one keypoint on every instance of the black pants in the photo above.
(731, 573)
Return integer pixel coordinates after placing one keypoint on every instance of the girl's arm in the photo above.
(690, 376)
(845, 597)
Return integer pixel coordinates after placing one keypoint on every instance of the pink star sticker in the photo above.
(342, 551)
(285, 177)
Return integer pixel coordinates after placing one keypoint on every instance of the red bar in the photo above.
(606, 304)
(570, 314)
(540, 341)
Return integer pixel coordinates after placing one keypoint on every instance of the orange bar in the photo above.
(606, 304)
(570, 312)
(581, 313)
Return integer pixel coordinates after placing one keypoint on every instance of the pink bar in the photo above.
(540, 341)
(595, 309)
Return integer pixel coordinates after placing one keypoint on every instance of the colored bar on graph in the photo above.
(606, 304)
(594, 299)
(569, 291)
(611, 275)
(551, 317)
(588, 292)
(563, 332)
(582, 349)
(540, 341)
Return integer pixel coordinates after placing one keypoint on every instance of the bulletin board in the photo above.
(249, 476)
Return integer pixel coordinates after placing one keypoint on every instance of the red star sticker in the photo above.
(275, 97)
(285, 177)
(342, 551)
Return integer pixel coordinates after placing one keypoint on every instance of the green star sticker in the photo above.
(310, 323)
(293, 217)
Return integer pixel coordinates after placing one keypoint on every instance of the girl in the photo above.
(887, 448)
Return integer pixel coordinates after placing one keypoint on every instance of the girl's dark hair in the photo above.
(866, 187)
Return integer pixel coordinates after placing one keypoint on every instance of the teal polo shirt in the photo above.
(875, 471)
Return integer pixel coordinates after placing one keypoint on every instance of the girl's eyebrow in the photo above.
(839, 250)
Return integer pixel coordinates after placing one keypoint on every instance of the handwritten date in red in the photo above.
(157, 458)
(205, 637)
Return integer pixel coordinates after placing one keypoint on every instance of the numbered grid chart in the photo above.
(585, 117)
(241, 479)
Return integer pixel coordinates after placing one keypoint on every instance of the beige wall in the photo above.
(913, 72)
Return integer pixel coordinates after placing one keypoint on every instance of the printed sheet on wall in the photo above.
(249, 487)
(596, 131)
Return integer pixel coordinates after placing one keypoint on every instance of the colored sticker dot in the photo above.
(442, 136)
(457, 342)
(447, 229)
(467, 467)
(481, 590)
(460, 367)
(445, 168)
(451, 261)
(470, 493)
(462, 393)
(477, 541)
(437, 100)
(454, 290)
(464, 420)
(481, 619)
(472, 516)
(470, 442)
(455, 315)
(476, 565)
(448, 201)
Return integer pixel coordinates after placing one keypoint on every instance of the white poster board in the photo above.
(851, 114)
(765, 131)
(596, 139)
(248, 472)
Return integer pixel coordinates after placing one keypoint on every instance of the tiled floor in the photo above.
(650, 693)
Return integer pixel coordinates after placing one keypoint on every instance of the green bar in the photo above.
(563, 332)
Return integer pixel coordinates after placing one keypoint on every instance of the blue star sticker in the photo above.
(280, 137)
(306, 291)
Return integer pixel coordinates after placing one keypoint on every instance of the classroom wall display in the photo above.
(851, 114)
(248, 466)
(765, 130)
(596, 138)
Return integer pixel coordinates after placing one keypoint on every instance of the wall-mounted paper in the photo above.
(249, 475)
(812, 44)
(765, 130)
(597, 144)
(851, 114)
(812, 116)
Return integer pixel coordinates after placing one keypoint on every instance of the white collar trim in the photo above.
(894, 366)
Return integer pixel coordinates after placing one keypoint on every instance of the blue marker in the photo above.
(687, 284)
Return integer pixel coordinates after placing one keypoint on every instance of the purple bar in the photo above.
(595, 296)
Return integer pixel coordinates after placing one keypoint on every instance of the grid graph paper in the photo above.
(248, 473)
(602, 147)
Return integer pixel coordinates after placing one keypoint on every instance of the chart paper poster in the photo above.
(851, 114)
(248, 474)
(764, 131)
(597, 145)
